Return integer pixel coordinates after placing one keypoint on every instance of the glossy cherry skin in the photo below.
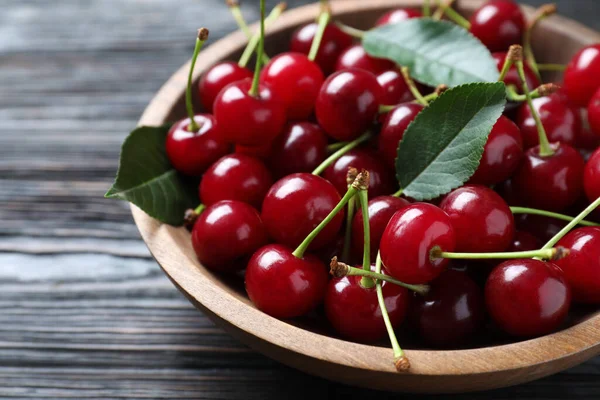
(582, 266)
(381, 181)
(582, 76)
(300, 148)
(262, 151)
(527, 298)
(593, 112)
(395, 90)
(550, 183)
(226, 234)
(410, 236)
(541, 227)
(482, 221)
(525, 241)
(216, 78)
(333, 43)
(191, 153)
(236, 177)
(498, 24)
(354, 312)
(398, 15)
(296, 204)
(348, 103)
(451, 312)
(393, 129)
(282, 285)
(247, 120)
(381, 210)
(512, 77)
(502, 154)
(296, 80)
(591, 177)
(356, 57)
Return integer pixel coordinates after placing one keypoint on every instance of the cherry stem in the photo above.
(398, 193)
(541, 13)
(335, 146)
(546, 253)
(543, 90)
(189, 106)
(236, 12)
(348, 232)
(552, 67)
(508, 62)
(190, 216)
(384, 109)
(563, 217)
(441, 10)
(363, 197)
(576, 221)
(413, 88)
(455, 17)
(324, 18)
(354, 32)
(426, 8)
(252, 43)
(254, 89)
(200, 208)
(346, 148)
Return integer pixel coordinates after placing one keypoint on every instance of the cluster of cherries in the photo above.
(275, 150)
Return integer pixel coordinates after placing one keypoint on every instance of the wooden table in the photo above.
(85, 312)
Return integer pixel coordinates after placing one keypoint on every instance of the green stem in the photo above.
(563, 217)
(335, 146)
(236, 12)
(363, 197)
(347, 147)
(541, 91)
(348, 232)
(398, 193)
(548, 254)
(260, 52)
(441, 10)
(576, 221)
(541, 13)
(508, 62)
(426, 8)
(353, 271)
(252, 43)
(199, 209)
(355, 33)
(552, 67)
(189, 106)
(455, 17)
(324, 18)
(412, 87)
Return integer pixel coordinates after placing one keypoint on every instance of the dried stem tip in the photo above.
(202, 34)
(515, 53)
(351, 175)
(362, 180)
(402, 364)
(189, 218)
(547, 89)
(282, 6)
(560, 252)
(544, 11)
(338, 269)
(232, 3)
(441, 89)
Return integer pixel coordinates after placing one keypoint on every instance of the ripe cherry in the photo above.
(348, 103)
(262, 151)
(393, 128)
(300, 148)
(395, 90)
(593, 112)
(226, 234)
(409, 239)
(356, 57)
(525, 241)
(296, 204)
(481, 219)
(282, 285)
(398, 15)
(498, 24)
(527, 297)
(550, 183)
(191, 153)
(502, 154)
(582, 76)
(216, 78)
(236, 177)
(512, 77)
(541, 227)
(591, 177)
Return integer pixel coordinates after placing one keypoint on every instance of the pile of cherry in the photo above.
(277, 205)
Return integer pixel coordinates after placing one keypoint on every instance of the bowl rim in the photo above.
(198, 283)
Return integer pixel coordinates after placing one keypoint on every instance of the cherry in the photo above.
(398, 15)
(296, 80)
(236, 177)
(512, 77)
(551, 183)
(356, 57)
(353, 310)
(348, 103)
(191, 153)
(498, 24)
(582, 76)
(527, 297)
(451, 312)
(296, 204)
(593, 112)
(216, 78)
(394, 87)
(393, 128)
(502, 154)
(333, 43)
(591, 176)
(542, 227)
(481, 219)
(282, 285)
(381, 210)
(524, 241)
(262, 151)
(381, 181)
(300, 148)
(409, 238)
(226, 234)
(582, 266)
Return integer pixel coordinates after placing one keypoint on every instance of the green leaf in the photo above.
(442, 147)
(436, 52)
(145, 177)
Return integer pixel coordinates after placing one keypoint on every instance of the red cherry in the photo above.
(582, 76)
(527, 297)
(355, 57)
(236, 177)
(498, 24)
(525, 241)
(248, 120)
(550, 183)
(451, 312)
(542, 227)
(381, 181)
(296, 204)
(393, 128)
(333, 43)
(410, 236)
(282, 285)
(348, 103)
(226, 234)
(591, 177)
(296, 80)
(593, 112)
(398, 15)
(262, 151)
(582, 266)
(354, 312)
(481, 219)
(512, 77)
(300, 148)
(216, 78)
(381, 210)
(192, 152)
(502, 154)
(394, 87)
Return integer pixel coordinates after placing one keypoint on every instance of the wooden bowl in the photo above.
(556, 40)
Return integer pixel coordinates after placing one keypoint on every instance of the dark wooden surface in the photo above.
(85, 312)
